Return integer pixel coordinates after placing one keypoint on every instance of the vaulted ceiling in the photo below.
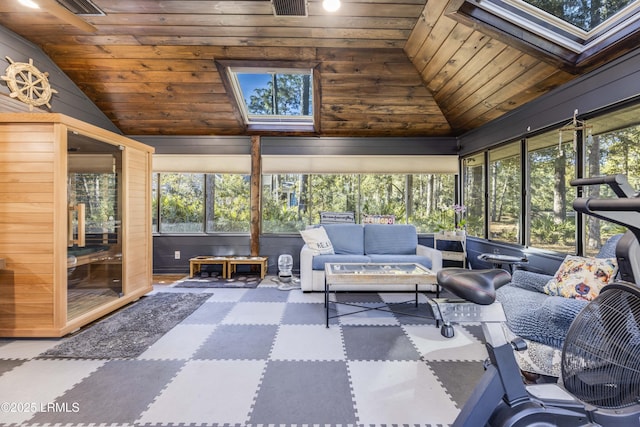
(387, 68)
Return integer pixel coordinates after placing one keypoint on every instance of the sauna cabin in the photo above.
(75, 223)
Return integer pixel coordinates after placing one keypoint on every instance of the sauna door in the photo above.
(94, 255)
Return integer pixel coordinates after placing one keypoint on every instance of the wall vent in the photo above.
(82, 7)
(290, 8)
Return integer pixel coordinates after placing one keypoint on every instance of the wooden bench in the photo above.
(228, 263)
(195, 264)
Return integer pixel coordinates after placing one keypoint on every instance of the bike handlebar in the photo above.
(587, 205)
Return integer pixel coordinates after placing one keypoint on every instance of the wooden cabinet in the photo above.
(453, 247)
(75, 223)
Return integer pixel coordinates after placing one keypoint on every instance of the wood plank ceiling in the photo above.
(387, 68)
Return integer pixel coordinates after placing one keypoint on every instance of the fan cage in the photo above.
(601, 355)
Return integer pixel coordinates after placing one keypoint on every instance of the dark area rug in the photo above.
(128, 332)
(216, 281)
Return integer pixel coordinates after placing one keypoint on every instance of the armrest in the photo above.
(530, 280)
(433, 254)
(306, 268)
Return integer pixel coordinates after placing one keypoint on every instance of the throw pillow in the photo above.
(317, 240)
(582, 277)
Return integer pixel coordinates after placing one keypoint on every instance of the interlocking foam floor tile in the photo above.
(42, 381)
(181, 342)
(378, 343)
(399, 393)
(317, 393)
(308, 342)
(256, 313)
(238, 342)
(208, 392)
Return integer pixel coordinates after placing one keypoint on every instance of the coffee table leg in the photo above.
(416, 295)
(326, 301)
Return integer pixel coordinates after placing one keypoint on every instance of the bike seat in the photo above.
(477, 286)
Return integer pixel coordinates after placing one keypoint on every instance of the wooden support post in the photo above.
(256, 169)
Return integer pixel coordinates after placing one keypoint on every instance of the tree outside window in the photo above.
(552, 220)
(504, 193)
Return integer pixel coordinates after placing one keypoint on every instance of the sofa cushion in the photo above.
(400, 239)
(320, 260)
(390, 258)
(346, 238)
(582, 277)
(317, 240)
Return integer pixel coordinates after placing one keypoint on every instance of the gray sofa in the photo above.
(367, 243)
(540, 319)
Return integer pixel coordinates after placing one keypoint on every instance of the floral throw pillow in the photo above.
(582, 277)
(317, 240)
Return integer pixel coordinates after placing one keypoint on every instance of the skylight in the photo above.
(586, 15)
(579, 32)
(274, 97)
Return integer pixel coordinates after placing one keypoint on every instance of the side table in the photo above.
(196, 263)
(233, 261)
(498, 260)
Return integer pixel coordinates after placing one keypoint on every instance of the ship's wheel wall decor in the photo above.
(28, 84)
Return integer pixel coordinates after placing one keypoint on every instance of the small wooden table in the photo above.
(228, 264)
(196, 263)
(233, 261)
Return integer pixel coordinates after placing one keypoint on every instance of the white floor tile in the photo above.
(27, 348)
(261, 313)
(399, 393)
(308, 342)
(39, 382)
(226, 295)
(207, 392)
(297, 295)
(433, 346)
(180, 342)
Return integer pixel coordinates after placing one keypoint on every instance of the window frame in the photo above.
(280, 124)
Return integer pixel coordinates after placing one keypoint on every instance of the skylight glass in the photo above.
(274, 96)
(584, 14)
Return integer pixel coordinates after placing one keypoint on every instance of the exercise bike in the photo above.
(601, 354)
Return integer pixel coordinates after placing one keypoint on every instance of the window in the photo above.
(504, 193)
(273, 97)
(290, 202)
(196, 203)
(181, 202)
(228, 203)
(333, 193)
(429, 201)
(585, 15)
(283, 209)
(612, 147)
(473, 187)
(551, 222)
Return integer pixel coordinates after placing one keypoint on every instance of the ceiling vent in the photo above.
(291, 8)
(82, 7)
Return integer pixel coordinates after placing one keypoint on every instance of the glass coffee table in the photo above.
(375, 273)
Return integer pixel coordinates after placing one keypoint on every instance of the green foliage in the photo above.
(291, 92)
(546, 231)
(582, 14)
